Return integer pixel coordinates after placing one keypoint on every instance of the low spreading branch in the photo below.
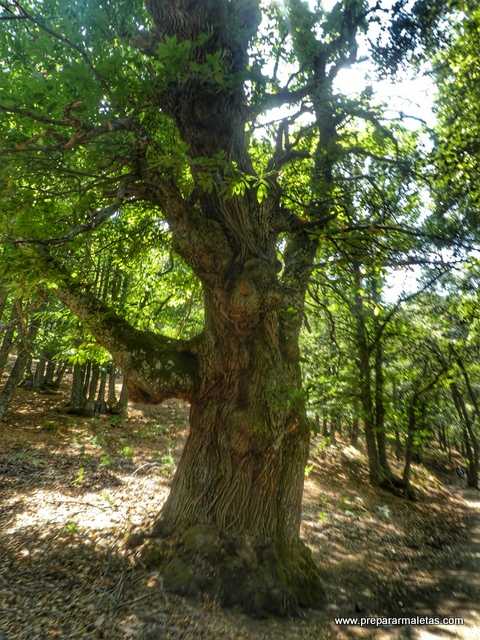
(158, 367)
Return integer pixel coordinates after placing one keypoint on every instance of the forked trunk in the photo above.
(231, 523)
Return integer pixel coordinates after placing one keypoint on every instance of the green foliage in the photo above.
(79, 477)
(71, 528)
(127, 452)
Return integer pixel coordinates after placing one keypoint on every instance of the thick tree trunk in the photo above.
(231, 523)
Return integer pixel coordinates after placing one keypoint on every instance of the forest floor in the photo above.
(70, 488)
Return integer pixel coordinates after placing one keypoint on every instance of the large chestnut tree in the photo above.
(221, 120)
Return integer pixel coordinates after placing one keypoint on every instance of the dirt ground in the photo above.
(70, 489)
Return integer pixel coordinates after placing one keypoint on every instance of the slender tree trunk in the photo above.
(12, 383)
(50, 373)
(354, 431)
(325, 426)
(418, 448)
(87, 370)
(18, 369)
(441, 437)
(112, 379)
(365, 381)
(77, 394)
(471, 428)
(470, 441)
(339, 424)
(398, 443)
(106, 279)
(121, 407)
(409, 448)
(99, 279)
(116, 284)
(473, 463)
(60, 372)
(92, 389)
(124, 290)
(39, 376)
(333, 428)
(27, 382)
(3, 301)
(101, 405)
(380, 410)
(7, 341)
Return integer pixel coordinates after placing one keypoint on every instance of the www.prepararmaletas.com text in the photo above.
(394, 621)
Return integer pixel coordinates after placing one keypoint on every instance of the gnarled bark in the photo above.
(231, 522)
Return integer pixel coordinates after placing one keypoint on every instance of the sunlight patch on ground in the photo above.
(91, 510)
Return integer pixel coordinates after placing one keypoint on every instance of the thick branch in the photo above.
(158, 367)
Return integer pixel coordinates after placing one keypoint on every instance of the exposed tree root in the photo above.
(260, 579)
